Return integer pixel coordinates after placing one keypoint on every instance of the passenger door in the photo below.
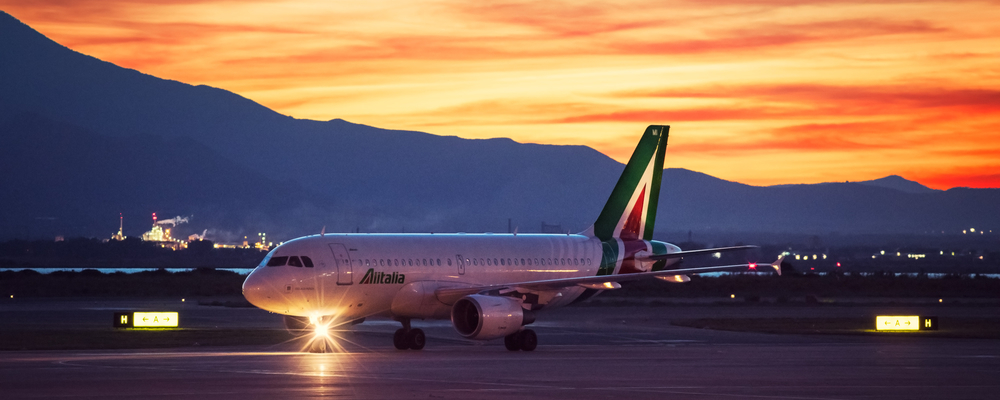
(461, 264)
(345, 272)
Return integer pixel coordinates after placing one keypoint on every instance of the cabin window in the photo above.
(481, 262)
(397, 262)
(381, 262)
(277, 261)
(522, 261)
(449, 261)
(495, 262)
(307, 261)
(439, 262)
(501, 262)
(488, 262)
(424, 261)
(474, 262)
(508, 261)
(515, 261)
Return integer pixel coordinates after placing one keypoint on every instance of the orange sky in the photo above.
(760, 92)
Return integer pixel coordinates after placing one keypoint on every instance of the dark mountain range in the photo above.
(899, 183)
(84, 139)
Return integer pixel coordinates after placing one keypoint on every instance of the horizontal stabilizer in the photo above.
(777, 264)
(680, 254)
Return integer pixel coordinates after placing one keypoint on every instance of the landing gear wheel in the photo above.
(512, 341)
(399, 339)
(528, 339)
(416, 339)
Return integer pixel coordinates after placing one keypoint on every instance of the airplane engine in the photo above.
(488, 317)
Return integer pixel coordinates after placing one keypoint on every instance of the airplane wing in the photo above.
(680, 254)
(449, 295)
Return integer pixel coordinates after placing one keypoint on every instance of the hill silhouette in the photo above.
(87, 139)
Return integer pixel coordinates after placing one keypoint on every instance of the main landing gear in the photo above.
(525, 340)
(406, 338)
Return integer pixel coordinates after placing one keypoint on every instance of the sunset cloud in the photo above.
(825, 91)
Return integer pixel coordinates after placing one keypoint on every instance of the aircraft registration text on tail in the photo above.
(488, 285)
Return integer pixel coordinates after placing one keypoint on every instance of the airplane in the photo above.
(490, 286)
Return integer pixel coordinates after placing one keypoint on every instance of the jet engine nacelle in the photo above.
(488, 317)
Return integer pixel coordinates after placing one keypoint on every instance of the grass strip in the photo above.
(69, 339)
(967, 328)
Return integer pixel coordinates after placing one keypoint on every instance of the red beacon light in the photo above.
(753, 266)
(838, 265)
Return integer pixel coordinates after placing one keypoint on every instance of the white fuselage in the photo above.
(360, 275)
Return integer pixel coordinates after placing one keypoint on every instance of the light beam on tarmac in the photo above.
(324, 336)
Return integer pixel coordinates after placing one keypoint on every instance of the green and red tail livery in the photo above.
(631, 210)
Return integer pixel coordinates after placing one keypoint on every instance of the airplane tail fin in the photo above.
(631, 210)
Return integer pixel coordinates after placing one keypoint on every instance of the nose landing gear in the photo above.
(406, 338)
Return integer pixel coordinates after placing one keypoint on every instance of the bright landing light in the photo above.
(322, 338)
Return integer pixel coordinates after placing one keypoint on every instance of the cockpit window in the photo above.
(277, 261)
(307, 261)
(295, 262)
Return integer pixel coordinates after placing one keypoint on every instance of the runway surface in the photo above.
(606, 352)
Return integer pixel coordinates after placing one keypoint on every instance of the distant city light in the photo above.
(883, 252)
(973, 230)
(732, 296)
